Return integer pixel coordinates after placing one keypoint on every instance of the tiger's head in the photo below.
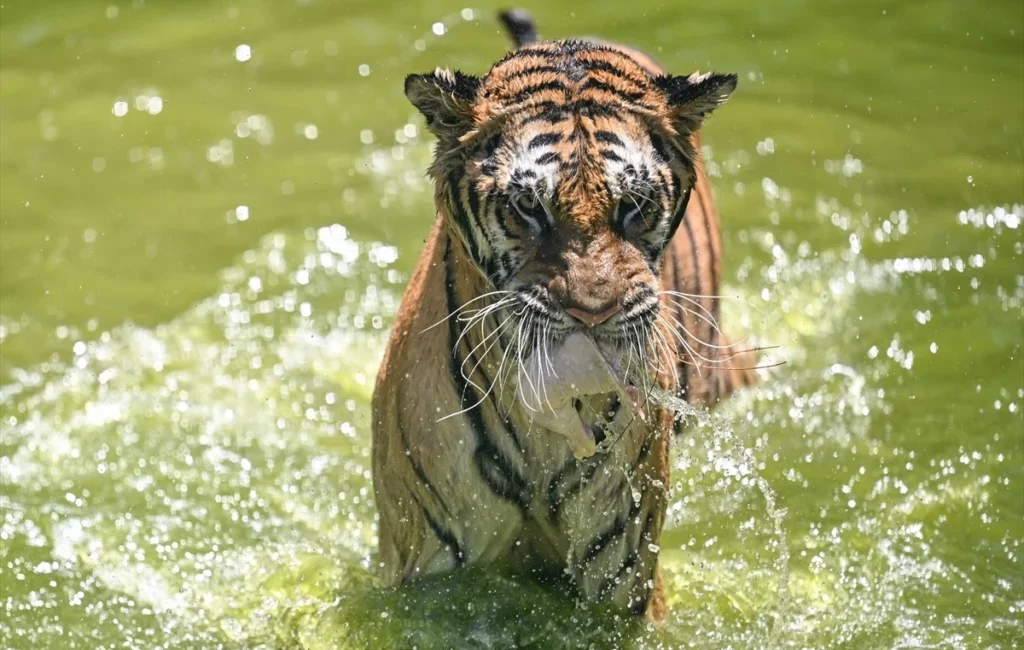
(564, 172)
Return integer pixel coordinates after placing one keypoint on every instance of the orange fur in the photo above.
(586, 132)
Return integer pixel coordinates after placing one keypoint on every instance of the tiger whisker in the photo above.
(541, 346)
(493, 333)
(531, 342)
(484, 312)
(740, 353)
(710, 318)
(757, 367)
(519, 354)
(659, 342)
(686, 348)
(480, 360)
(546, 354)
(503, 374)
(629, 359)
(720, 359)
(481, 316)
(671, 352)
(721, 297)
(684, 343)
(464, 305)
(474, 313)
(485, 395)
(547, 348)
(694, 355)
(697, 338)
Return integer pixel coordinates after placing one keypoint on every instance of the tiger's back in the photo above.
(461, 472)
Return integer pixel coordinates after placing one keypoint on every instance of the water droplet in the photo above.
(154, 105)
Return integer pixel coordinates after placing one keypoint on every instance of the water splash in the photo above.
(742, 464)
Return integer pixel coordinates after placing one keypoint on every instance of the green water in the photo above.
(200, 257)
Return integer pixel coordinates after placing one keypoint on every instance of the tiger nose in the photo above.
(593, 318)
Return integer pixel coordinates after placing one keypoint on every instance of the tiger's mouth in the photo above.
(575, 374)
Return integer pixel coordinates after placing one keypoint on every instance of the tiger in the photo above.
(571, 205)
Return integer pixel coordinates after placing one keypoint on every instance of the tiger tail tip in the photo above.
(519, 25)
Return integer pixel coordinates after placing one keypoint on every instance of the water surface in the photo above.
(208, 212)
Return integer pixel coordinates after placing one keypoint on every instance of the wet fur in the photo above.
(460, 474)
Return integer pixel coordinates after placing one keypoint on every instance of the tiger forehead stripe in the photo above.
(594, 79)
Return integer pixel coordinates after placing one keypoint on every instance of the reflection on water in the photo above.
(208, 217)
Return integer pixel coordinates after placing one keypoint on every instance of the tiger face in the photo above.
(564, 173)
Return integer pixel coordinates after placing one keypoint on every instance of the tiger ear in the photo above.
(691, 99)
(445, 98)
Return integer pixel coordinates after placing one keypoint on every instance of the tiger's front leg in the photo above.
(613, 524)
(436, 510)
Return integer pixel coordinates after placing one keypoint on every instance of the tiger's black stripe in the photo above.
(614, 70)
(608, 137)
(616, 530)
(556, 501)
(487, 381)
(632, 97)
(547, 158)
(684, 202)
(446, 536)
(547, 111)
(610, 154)
(684, 382)
(533, 70)
(528, 92)
(474, 208)
(715, 304)
(659, 146)
(488, 165)
(630, 560)
(592, 108)
(694, 259)
(609, 583)
(544, 139)
(416, 467)
(462, 217)
(497, 472)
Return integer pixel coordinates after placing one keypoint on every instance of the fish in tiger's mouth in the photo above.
(553, 388)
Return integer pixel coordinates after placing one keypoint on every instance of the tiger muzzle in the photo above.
(593, 318)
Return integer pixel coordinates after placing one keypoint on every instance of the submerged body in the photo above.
(575, 230)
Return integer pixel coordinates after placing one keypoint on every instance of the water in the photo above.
(209, 211)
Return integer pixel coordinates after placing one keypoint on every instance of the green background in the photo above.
(195, 290)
